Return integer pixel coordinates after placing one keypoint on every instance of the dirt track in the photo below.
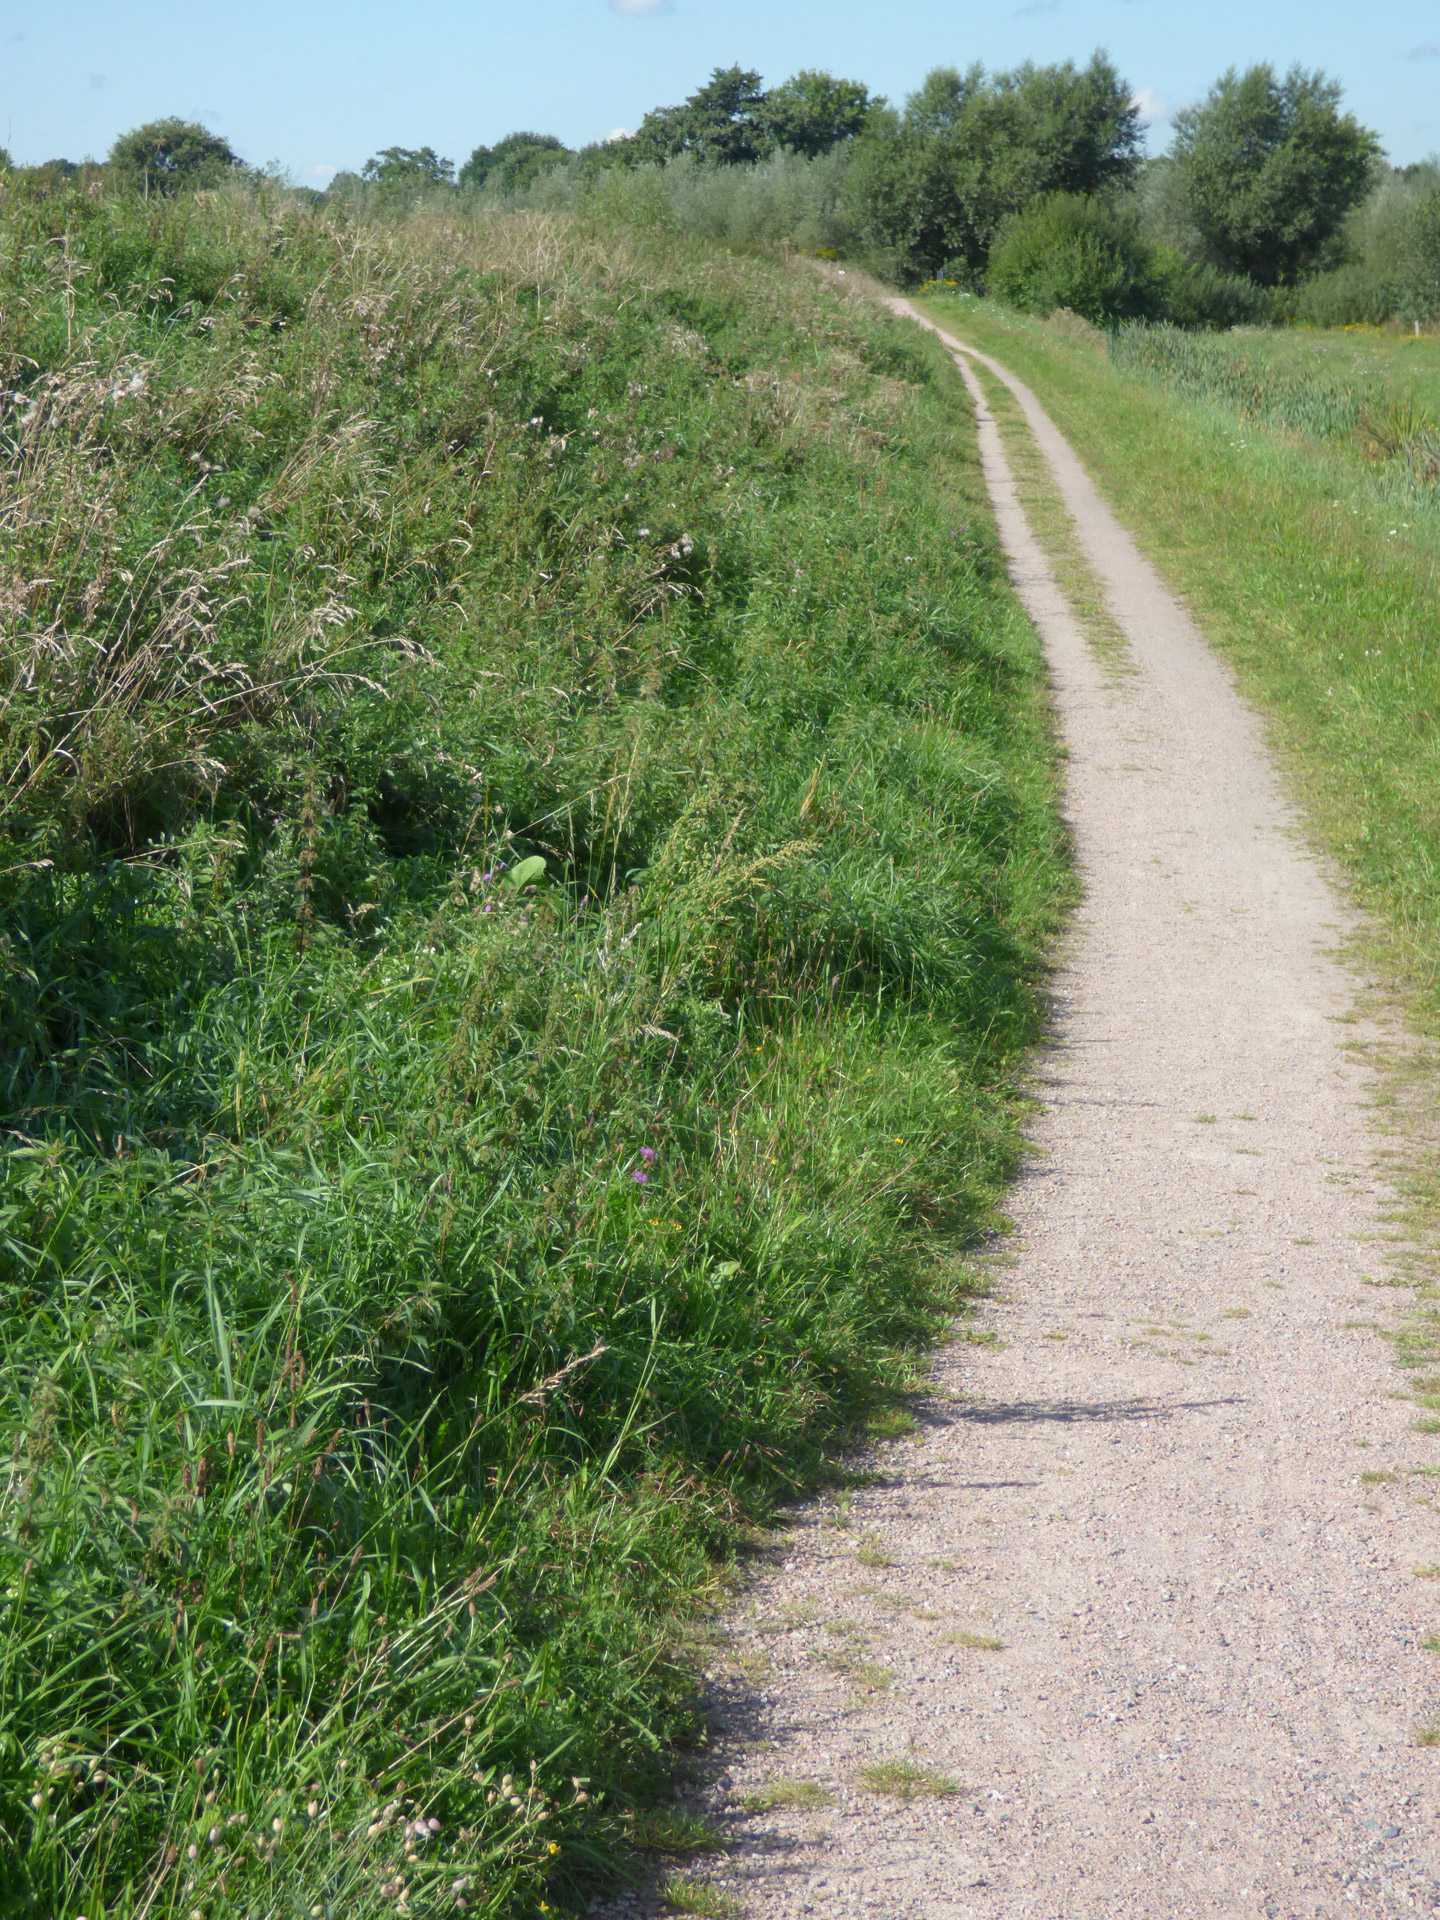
(1152, 1494)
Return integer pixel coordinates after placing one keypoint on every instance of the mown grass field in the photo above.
(529, 839)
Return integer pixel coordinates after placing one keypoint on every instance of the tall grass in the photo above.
(786, 200)
(1198, 367)
(528, 831)
(1298, 391)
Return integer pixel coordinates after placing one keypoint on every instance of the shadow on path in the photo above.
(1074, 1412)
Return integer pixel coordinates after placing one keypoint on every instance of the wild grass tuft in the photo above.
(699, 1897)
(903, 1780)
(801, 1796)
(871, 1551)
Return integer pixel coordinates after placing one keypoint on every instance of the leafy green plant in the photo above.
(699, 1897)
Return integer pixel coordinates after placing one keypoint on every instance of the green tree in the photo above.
(1270, 168)
(169, 156)
(812, 112)
(932, 187)
(514, 162)
(724, 123)
(1419, 276)
(407, 170)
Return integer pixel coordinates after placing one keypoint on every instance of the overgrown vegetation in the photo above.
(1072, 250)
(1273, 204)
(1370, 407)
(528, 833)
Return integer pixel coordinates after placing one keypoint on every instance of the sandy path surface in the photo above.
(1152, 1493)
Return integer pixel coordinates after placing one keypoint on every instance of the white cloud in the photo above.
(1427, 50)
(323, 172)
(1150, 105)
(641, 6)
(620, 133)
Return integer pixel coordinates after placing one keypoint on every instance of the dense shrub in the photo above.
(1376, 232)
(1202, 296)
(1074, 251)
(1344, 297)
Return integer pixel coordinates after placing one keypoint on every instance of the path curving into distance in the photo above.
(1212, 1668)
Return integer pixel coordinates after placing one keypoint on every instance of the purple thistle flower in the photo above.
(647, 1153)
(640, 1178)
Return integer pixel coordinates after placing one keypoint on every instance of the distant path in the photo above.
(1211, 1672)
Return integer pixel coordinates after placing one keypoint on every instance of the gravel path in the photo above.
(1177, 1491)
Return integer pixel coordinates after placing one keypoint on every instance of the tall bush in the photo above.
(1074, 251)
(1348, 296)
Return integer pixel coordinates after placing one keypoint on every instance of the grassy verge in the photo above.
(1257, 472)
(1050, 521)
(528, 838)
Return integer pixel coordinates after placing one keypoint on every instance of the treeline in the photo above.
(1272, 203)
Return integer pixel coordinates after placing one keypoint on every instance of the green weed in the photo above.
(864, 1675)
(871, 1552)
(673, 1830)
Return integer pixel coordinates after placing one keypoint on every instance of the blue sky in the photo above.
(322, 85)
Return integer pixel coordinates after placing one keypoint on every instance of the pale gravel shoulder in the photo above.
(1212, 1670)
